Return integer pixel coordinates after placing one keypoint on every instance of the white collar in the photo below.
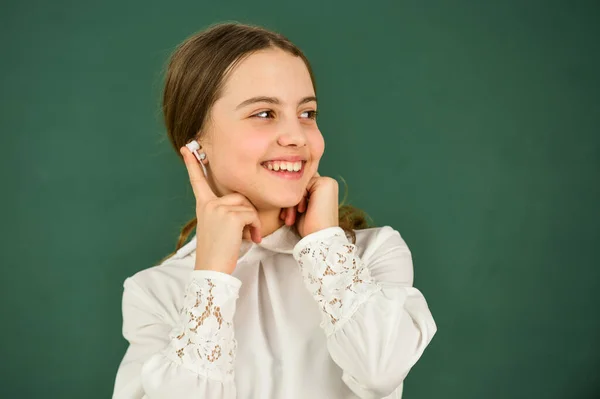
(283, 240)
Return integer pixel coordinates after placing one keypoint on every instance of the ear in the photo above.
(205, 144)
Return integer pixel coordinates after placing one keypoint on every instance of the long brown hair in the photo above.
(194, 78)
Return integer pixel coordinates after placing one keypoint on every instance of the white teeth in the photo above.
(287, 166)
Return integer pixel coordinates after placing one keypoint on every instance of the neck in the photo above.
(269, 222)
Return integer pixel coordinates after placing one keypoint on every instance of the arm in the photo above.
(377, 324)
(194, 359)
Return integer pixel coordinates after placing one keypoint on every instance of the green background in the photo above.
(469, 126)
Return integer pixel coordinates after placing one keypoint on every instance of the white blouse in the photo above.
(316, 317)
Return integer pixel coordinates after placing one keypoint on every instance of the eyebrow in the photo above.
(271, 100)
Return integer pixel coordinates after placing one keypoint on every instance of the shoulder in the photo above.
(173, 270)
(375, 239)
(161, 284)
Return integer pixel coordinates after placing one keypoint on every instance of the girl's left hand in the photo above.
(318, 208)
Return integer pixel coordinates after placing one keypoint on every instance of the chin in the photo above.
(283, 200)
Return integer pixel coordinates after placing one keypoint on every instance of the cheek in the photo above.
(248, 149)
(236, 157)
(316, 145)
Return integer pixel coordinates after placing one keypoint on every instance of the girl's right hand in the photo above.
(221, 221)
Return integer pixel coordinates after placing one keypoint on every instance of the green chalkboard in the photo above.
(471, 127)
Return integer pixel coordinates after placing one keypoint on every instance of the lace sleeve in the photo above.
(335, 275)
(204, 341)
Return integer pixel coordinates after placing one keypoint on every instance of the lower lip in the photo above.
(285, 174)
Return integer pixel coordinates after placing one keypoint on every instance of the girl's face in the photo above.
(266, 113)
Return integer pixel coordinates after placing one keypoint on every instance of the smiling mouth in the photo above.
(284, 166)
(285, 170)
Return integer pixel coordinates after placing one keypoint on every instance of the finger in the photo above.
(240, 202)
(202, 190)
(290, 217)
(255, 235)
(312, 184)
(250, 218)
(236, 199)
(282, 213)
(251, 233)
(310, 187)
(302, 205)
(236, 208)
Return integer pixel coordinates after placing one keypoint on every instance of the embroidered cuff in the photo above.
(334, 275)
(204, 341)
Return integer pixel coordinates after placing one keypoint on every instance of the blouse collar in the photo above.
(283, 240)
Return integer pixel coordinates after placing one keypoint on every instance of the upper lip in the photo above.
(289, 158)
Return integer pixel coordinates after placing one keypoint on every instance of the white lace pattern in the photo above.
(204, 342)
(335, 276)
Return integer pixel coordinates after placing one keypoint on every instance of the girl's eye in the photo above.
(263, 114)
(311, 114)
(270, 114)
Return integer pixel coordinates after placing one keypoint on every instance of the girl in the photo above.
(281, 293)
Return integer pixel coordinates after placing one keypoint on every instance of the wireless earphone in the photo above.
(193, 146)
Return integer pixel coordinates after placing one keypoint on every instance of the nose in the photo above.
(292, 134)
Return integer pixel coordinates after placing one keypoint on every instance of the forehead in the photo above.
(271, 72)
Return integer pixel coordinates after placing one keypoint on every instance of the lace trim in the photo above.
(204, 342)
(336, 277)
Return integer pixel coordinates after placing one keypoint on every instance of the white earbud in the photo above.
(193, 146)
